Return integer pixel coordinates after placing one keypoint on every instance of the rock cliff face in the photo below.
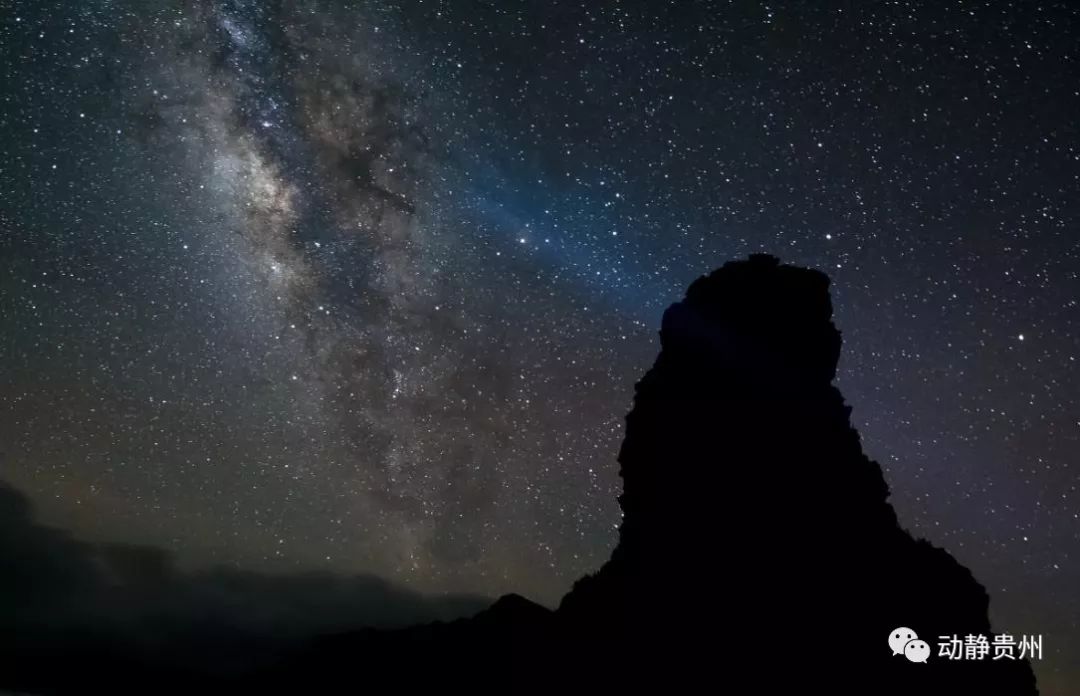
(757, 536)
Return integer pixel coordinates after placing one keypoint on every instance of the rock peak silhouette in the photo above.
(757, 536)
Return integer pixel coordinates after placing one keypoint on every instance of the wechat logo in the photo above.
(904, 641)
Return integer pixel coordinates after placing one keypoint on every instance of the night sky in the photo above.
(365, 287)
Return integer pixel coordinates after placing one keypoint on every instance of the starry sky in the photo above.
(365, 286)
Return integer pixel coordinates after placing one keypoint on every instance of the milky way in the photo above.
(365, 286)
(328, 376)
(402, 417)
